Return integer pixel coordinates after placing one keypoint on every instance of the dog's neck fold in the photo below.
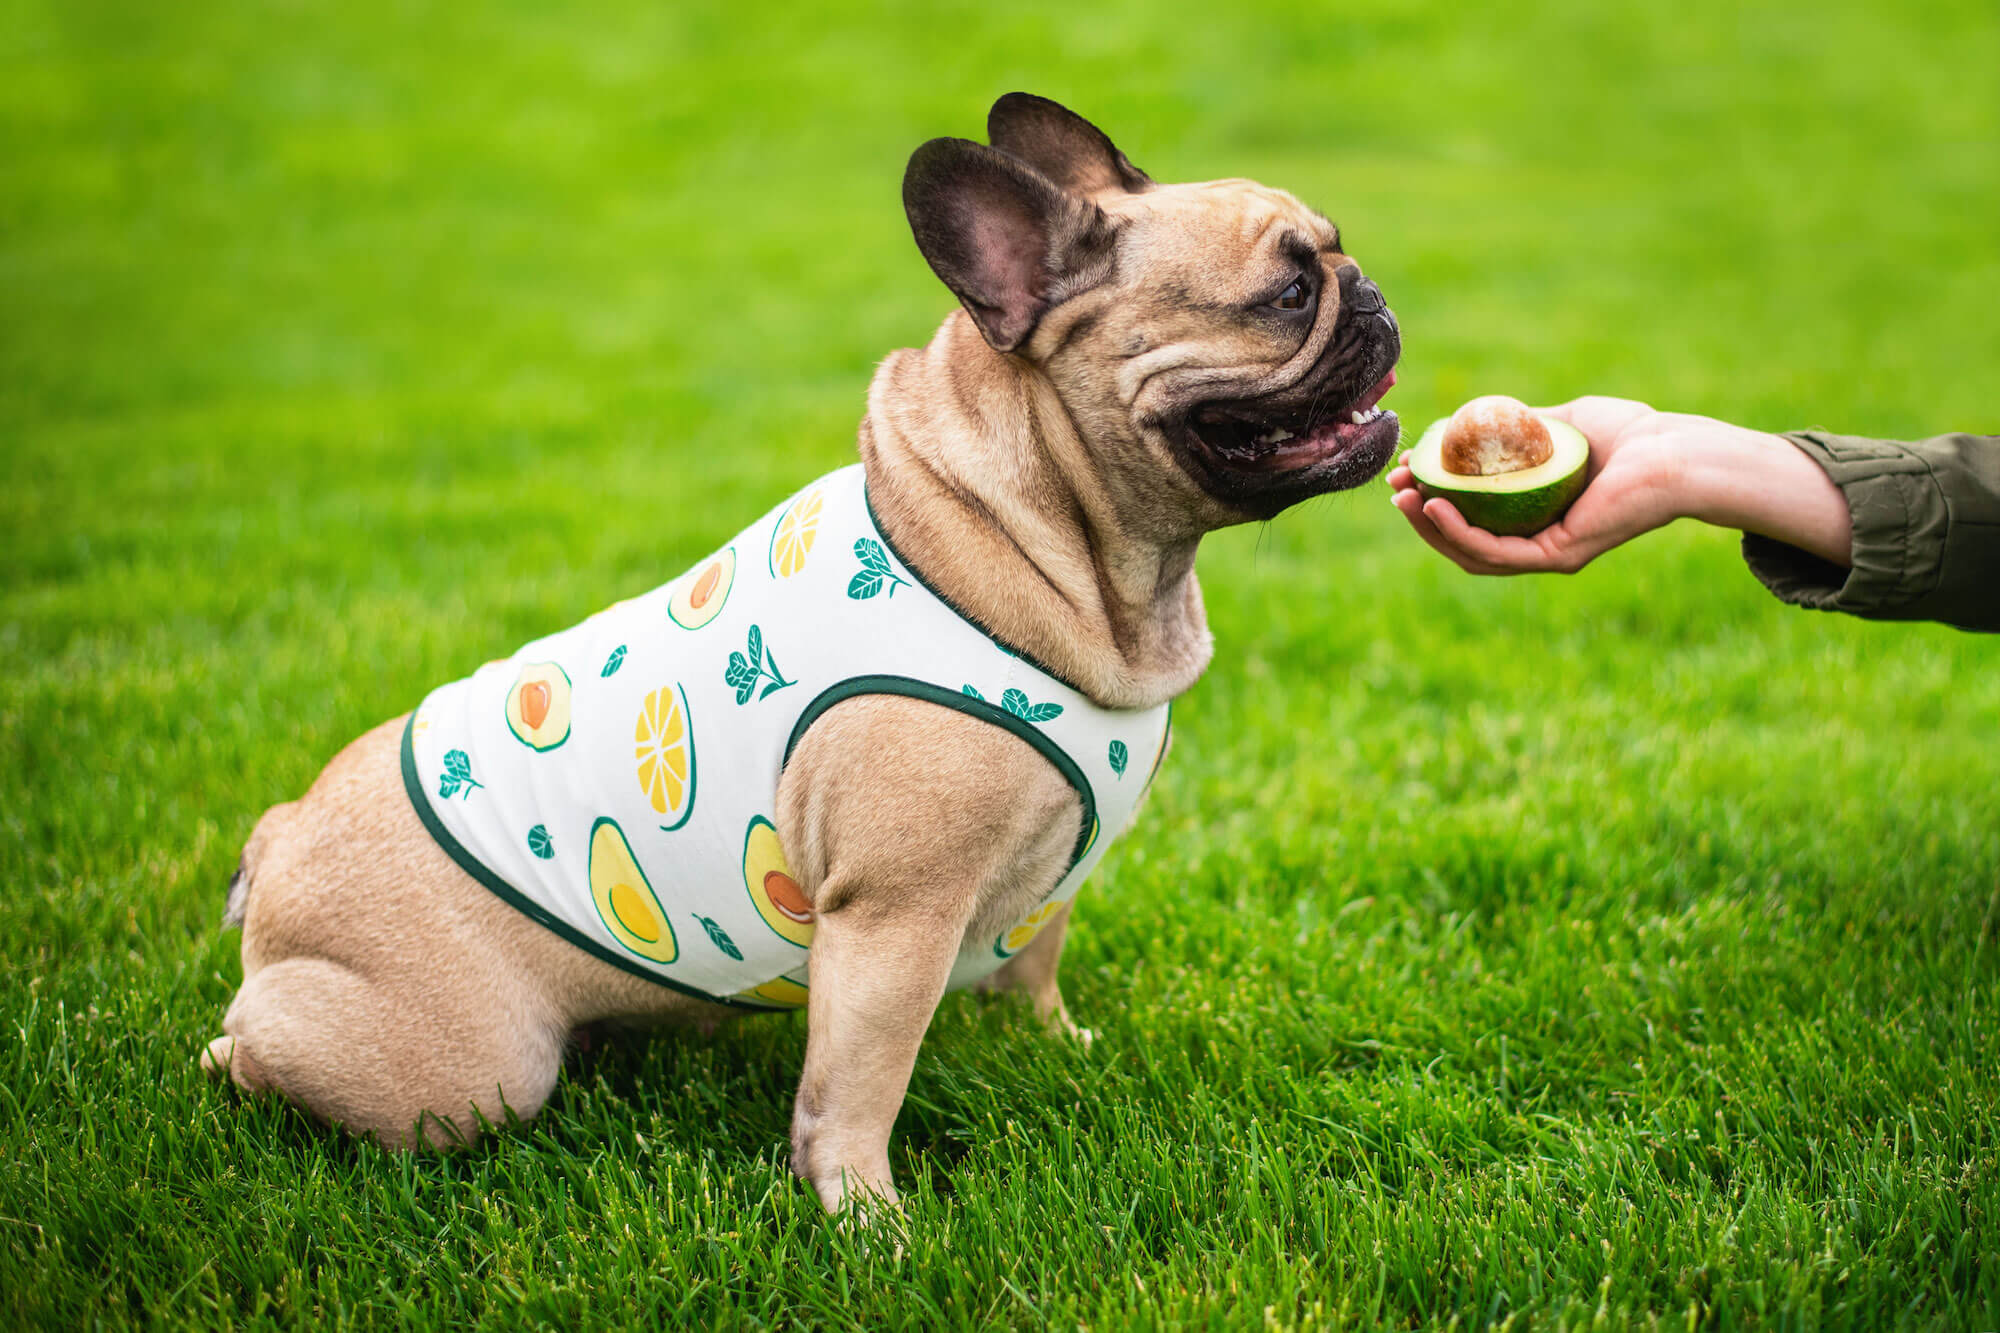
(982, 482)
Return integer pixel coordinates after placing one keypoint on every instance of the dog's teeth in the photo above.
(1357, 418)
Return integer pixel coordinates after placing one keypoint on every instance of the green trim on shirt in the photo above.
(857, 686)
(521, 902)
(868, 503)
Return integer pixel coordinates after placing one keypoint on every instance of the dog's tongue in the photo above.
(1374, 395)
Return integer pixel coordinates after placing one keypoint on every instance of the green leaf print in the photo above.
(1015, 702)
(539, 844)
(1120, 756)
(719, 937)
(754, 663)
(457, 773)
(740, 677)
(875, 571)
(613, 662)
(975, 694)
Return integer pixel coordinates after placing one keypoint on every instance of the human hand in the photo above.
(1647, 469)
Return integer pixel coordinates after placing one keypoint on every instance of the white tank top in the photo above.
(617, 781)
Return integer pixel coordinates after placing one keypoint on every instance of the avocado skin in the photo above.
(1504, 513)
(1516, 514)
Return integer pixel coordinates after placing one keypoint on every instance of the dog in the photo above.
(1132, 365)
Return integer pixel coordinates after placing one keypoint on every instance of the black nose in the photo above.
(1364, 311)
(1359, 295)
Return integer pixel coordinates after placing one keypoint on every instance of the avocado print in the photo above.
(778, 990)
(663, 745)
(538, 706)
(792, 540)
(1013, 941)
(625, 899)
(768, 880)
(698, 597)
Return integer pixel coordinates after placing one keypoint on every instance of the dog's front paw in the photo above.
(877, 1225)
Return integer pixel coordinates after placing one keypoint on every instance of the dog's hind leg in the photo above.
(350, 1053)
(1032, 973)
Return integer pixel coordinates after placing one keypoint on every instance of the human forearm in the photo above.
(1764, 484)
(1877, 528)
(1925, 541)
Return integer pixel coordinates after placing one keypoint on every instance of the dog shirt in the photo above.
(617, 781)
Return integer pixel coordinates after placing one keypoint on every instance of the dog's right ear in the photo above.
(1008, 242)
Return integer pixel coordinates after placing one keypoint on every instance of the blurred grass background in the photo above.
(1605, 949)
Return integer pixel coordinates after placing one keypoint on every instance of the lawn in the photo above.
(1617, 950)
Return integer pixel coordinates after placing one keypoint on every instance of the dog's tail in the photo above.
(237, 904)
(238, 901)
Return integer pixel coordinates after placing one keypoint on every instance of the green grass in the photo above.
(1592, 951)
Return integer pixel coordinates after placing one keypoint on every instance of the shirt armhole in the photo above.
(857, 686)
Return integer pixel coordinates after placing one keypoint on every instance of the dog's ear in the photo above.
(1060, 144)
(1005, 238)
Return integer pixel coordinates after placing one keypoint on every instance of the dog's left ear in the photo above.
(1060, 144)
(1006, 239)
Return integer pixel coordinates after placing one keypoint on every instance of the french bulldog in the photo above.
(1132, 365)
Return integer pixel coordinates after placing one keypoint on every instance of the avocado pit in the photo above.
(1492, 435)
(1505, 467)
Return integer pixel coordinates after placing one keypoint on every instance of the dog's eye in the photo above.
(1295, 297)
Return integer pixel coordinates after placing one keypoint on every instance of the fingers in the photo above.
(1411, 505)
(1602, 420)
(1596, 405)
(1503, 555)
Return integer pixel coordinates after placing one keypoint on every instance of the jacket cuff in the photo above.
(1900, 522)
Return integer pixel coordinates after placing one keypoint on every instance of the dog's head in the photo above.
(1220, 353)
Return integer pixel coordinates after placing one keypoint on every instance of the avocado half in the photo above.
(1507, 504)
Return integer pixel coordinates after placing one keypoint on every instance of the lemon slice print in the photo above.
(663, 745)
(1016, 939)
(793, 540)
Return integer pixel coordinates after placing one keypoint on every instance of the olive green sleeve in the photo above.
(1926, 532)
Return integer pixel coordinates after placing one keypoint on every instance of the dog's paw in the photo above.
(216, 1055)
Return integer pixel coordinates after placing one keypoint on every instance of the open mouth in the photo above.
(1251, 437)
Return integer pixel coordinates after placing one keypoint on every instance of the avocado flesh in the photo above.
(1507, 504)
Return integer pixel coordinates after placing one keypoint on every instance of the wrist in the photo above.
(1761, 483)
(1722, 477)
